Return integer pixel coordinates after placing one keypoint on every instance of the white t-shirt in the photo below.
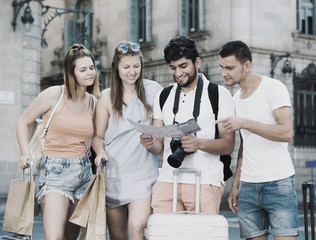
(263, 160)
(209, 164)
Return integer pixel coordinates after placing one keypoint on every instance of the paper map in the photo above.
(176, 130)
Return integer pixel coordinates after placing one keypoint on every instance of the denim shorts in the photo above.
(269, 204)
(67, 176)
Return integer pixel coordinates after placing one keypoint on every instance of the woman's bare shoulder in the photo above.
(52, 92)
(106, 94)
(50, 95)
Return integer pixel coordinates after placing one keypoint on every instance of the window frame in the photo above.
(73, 31)
(306, 16)
(140, 18)
(192, 14)
(304, 107)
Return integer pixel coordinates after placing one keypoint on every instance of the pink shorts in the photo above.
(210, 197)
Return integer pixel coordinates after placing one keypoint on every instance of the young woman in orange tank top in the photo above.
(65, 169)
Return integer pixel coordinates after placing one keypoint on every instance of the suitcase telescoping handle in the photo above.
(310, 186)
(176, 172)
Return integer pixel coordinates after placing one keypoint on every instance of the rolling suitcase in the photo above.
(311, 186)
(186, 225)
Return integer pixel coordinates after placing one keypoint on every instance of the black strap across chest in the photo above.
(197, 100)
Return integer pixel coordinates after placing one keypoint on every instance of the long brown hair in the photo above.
(78, 51)
(116, 82)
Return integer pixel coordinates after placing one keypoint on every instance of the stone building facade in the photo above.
(268, 27)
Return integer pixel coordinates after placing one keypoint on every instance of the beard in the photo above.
(190, 79)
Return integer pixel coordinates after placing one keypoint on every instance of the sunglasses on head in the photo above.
(123, 48)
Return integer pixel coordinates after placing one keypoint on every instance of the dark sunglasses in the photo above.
(123, 48)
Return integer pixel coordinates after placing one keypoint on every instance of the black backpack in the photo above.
(213, 96)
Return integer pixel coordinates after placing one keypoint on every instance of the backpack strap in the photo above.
(164, 95)
(213, 96)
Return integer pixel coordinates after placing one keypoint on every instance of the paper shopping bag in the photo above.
(81, 213)
(19, 211)
(96, 227)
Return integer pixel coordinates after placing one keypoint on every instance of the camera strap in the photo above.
(197, 100)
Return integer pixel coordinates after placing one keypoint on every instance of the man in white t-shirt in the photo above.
(263, 190)
(182, 56)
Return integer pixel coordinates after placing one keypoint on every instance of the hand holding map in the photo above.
(176, 130)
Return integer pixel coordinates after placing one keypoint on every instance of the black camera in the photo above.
(176, 158)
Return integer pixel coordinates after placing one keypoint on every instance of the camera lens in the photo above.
(176, 158)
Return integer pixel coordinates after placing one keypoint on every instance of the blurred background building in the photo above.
(36, 34)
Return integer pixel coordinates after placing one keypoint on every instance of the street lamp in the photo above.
(49, 13)
(287, 66)
(27, 18)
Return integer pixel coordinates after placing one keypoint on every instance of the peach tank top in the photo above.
(68, 132)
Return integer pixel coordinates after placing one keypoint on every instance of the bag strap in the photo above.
(164, 95)
(54, 111)
(197, 100)
(225, 159)
(93, 103)
(213, 96)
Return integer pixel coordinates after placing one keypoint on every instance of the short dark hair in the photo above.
(236, 48)
(179, 47)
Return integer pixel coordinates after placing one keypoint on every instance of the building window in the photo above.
(305, 107)
(192, 16)
(305, 15)
(140, 21)
(78, 29)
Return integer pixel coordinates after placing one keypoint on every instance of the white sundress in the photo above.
(131, 170)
